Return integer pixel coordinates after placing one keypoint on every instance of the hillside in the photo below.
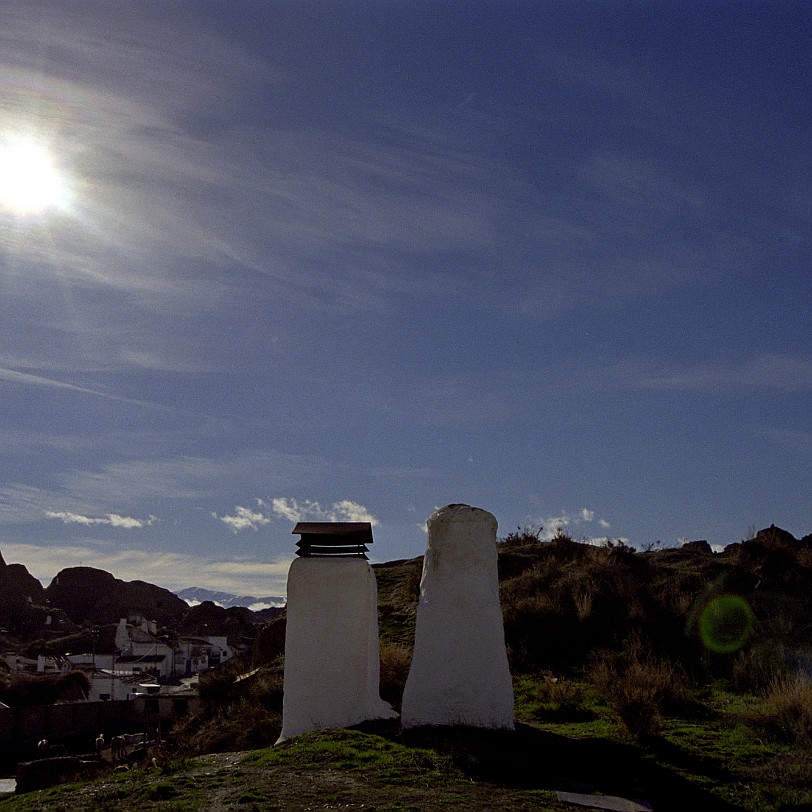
(685, 662)
(564, 601)
(681, 676)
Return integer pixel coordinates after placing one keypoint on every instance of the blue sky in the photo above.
(355, 261)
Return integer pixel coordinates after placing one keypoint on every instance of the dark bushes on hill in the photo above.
(45, 690)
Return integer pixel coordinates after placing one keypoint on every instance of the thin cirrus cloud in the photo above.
(294, 510)
(214, 195)
(27, 379)
(97, 492)
(779, 372)
(156, 184)
(138, 175)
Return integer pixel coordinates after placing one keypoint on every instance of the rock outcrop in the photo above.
(18, 589)
(86, 593)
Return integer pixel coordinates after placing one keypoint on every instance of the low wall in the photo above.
(22, 727)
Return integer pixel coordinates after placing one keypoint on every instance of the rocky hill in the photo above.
(96, 596)
(59, 618)
(17, 586)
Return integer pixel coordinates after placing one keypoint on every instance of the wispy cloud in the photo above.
(150, 183)
(22, 503)
(763, 371)
(21, 440)
(111, 519)
(156, 481)
(185, 477)
(14, 376)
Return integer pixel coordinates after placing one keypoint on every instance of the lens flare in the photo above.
(726, 623)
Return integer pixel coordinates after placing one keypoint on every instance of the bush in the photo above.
(786, 712)
(237, 713)
(758, 669)
(561, 699)
(641, 686)
(395, 662)
(44, 689)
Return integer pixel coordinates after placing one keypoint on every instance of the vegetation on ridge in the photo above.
(676, 675)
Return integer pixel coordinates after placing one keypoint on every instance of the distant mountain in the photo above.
(197, 594)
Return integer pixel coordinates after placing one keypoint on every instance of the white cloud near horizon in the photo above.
(173, 571)
(295, 510)
(244, 518)
(111, 519)
(552, 524)
(602, 541)
(343, 511)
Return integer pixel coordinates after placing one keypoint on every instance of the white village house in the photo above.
(142, 655)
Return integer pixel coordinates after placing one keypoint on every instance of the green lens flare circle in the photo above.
(726, 623)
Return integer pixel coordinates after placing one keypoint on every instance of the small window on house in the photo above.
(104, 697)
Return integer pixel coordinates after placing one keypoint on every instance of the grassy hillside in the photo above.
(677, 676)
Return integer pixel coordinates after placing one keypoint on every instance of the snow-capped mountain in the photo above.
(197, 594)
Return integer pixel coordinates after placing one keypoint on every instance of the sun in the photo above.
(30, 183)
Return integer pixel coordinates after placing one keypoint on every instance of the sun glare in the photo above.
(29, 181)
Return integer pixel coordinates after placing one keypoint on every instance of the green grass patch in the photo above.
(352, 750)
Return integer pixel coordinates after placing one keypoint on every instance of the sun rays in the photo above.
(30, 182)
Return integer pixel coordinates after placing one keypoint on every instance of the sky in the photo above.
(263, 262)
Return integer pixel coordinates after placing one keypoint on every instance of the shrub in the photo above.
(786, 713)
(562, 699)
(758, 668)
(641, 686)
(238, 713)
(395, 661)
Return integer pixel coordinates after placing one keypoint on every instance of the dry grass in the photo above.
(785, 715)
(641, 686)
(757, 669)
(395, 661)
